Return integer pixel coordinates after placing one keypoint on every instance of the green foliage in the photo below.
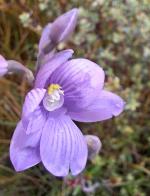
(114, 34)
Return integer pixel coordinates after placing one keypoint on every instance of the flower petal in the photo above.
(32, 101)
(3, 66)
(46, 70)
(24, 149)
(35, 121)
(81, 81)
(105, 106)
(63, 146)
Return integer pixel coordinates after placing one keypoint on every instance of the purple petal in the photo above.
(46, 70)
(24, 149)
(81, 80)
(105, 106)
(63, 146)
(32, 101)
(3, 66)
(35, 121)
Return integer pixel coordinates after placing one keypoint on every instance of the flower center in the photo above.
(54, 98)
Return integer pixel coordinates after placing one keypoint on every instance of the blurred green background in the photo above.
(114, 34)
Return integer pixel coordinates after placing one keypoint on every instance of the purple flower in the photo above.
(64, 90)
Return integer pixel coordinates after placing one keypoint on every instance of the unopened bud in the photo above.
(94, 145)
(3, 66)
(16, 67)
(54, 33)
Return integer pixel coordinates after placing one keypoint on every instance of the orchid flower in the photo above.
(65, 89)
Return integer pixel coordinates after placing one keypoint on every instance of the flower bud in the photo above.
(94, 145)
(3, 66)
(16, 67)
(55, 33)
